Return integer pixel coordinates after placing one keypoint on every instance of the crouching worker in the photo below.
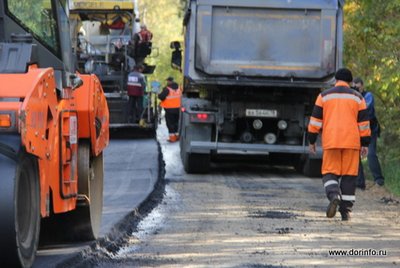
(340, 113)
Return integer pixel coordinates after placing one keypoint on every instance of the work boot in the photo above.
(177, 136)
(332, 207)
(172, 138)
(361, 187)
(345, 215)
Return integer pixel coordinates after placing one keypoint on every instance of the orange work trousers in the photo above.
(341, 161)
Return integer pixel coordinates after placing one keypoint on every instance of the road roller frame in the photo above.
(53, 130)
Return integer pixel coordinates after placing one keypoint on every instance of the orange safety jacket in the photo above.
(173, 100)
(342, 115)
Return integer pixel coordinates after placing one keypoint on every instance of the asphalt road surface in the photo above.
(252, 215)
(131, 171)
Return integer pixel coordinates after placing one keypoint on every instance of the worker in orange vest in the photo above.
(342, 116)
(171, 102)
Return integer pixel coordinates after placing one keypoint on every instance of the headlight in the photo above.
(246, 137)
(5, 121)
(270, 138)
(257, 124)
(282, 124)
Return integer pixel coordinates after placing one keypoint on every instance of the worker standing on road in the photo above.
(372, 157)
(342, 116)
(171, 102)
(136, 88)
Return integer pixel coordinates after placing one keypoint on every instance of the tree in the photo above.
(164, 18)
(372, 51)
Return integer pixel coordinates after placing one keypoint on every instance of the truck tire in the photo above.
(21, 222)
(312, 167)
(196, 163)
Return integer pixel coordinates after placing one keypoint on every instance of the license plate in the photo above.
(261, 113)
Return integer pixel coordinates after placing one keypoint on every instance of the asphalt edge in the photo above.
(119, 235)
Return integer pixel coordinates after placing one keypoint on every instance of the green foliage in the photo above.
(392, 174)
(37, 17)
(164, 18)
(372, 51)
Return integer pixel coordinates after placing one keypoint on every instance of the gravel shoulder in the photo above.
(247, 215)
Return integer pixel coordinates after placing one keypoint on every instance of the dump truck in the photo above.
(252, 71)
(53, 130)
(105, 40)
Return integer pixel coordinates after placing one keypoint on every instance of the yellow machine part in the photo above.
(100, 5)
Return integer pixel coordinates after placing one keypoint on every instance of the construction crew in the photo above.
(372, 157)
(341, 114)
(171, 102)
(136, 88)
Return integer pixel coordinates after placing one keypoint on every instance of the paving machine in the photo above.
(106, 42)
(53, 130)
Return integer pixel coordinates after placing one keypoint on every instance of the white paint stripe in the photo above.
(134, 84)
(330, 182)
(315, 123)
(348, 197)
(363, 127)
(341, 96)
(173, 97)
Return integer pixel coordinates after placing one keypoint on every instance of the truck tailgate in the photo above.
(283, 40)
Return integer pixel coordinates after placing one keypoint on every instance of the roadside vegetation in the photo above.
(372, 51)
(164, 19)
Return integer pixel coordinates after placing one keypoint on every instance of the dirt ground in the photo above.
(261, 221)
(245, 215)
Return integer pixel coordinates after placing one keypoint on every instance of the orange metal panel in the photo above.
(51, 127)
(38, 115)
(83, 96)
(92, 107)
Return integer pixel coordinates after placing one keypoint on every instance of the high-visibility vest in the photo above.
(173, 100)
(342, 115)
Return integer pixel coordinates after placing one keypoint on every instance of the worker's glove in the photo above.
(364, 152)
(312, 148)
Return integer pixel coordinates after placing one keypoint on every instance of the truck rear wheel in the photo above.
(20, 224)
(196, 163)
